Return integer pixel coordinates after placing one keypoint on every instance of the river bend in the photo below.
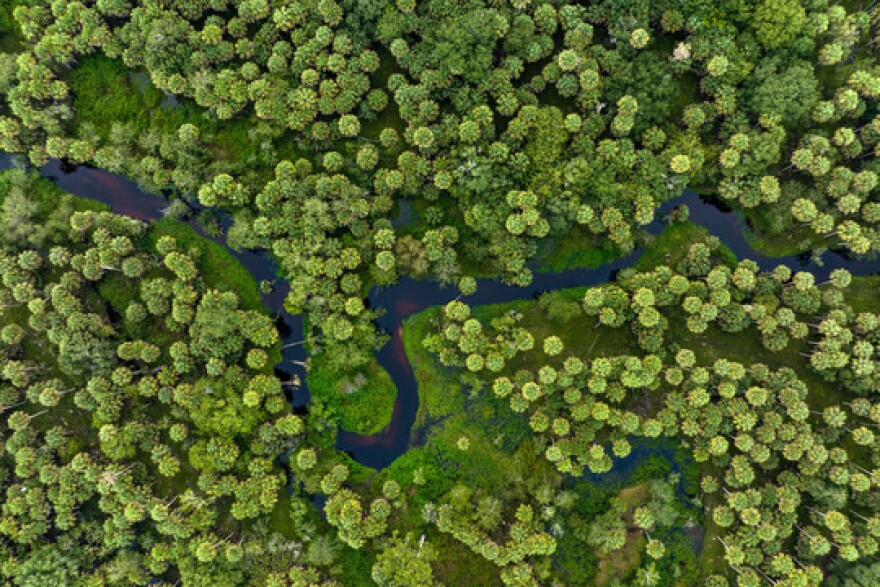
(408, 296)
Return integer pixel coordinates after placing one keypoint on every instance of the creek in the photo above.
(409, 296)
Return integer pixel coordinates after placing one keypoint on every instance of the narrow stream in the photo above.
(409, 296)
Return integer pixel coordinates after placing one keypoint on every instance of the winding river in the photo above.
(409, 296)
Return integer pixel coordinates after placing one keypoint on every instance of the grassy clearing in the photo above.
(864, 294)
(711, 558)
(687, 92)
(217, 266)
(583, 337)
(579, 248)
(363, 401)
(794, 241)
(501, 443)
(355, 567)
(671, 246)
(104, 93)
(459, 565)
(622, 562)
(439, 392)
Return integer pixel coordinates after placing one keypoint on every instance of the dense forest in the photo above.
(696, 419)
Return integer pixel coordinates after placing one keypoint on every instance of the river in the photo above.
(408, 296)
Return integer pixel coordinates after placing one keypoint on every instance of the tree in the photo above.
(639, 38)
(607, 532)
(680, 164)
(405, 562)
(553, 345)
(776, 24)
(789, 91)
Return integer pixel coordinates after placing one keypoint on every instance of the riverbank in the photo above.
(36, 210)
(450, 410)
(444, 398)
(408, 296)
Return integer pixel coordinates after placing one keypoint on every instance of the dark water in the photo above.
(126, 198)
(623, 469)
(409, 296)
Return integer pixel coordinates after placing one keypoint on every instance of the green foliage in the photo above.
(143, 424)
(105, 93)
(578, 249)
(671, 246)
(35, 211)
(68, 375)
(778, 23)
(362, 399)
(439, 392)
(787, 90)
(220, 269)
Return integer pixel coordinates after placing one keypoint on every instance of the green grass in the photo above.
(105, 93)
(439, 392)
(622, 562)
(500, 441)
(355, 567)
(448, 410)
(579, 248)
(459, 565)
(671, 246)
(217, 266)
(583, 336)
(793, 241)
(711, 558)
(363, 401)
(863, 294)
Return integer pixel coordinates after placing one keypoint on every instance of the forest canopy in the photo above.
(698, 419)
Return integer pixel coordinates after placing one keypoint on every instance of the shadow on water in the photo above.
(409, 296)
